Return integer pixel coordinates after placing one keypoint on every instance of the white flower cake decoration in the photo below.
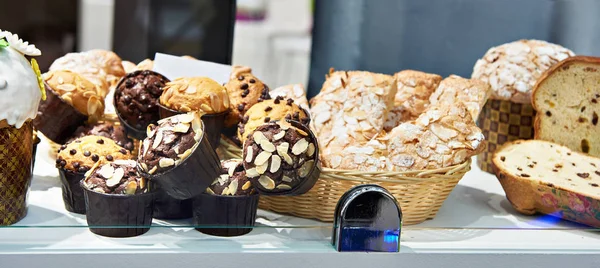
(18, 44)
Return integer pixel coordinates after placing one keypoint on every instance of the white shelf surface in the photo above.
(476, 221)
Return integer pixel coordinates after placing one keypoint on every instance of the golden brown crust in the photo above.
(88, 150)
(244, 90)
(554, 68)
(109, 61)
(188, 94)
(266, 111)
(77, 91)
(471, 92)
(146, 64)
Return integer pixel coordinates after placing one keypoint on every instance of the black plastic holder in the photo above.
(169, 208)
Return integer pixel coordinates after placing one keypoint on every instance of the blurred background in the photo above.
(297, 41)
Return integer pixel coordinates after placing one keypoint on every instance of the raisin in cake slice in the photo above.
(566, 99)
(524, 168)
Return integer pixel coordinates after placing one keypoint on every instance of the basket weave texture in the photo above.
(420, 193)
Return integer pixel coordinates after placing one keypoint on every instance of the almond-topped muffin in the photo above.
(232, 181)
(270, 110)
(188, 94)
(170, 142)
(117, 177)
(77, 91)
(82, 154)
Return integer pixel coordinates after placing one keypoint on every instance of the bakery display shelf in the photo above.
(476, 222)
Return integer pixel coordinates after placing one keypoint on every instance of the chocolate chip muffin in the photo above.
(188, 94)
(244, 90)
(281, 157)
(136, 98)
(79, 156)
(170, 142)
(82, 154)
(232, 181)
(108, 130)
(270, 110)
(118, 177)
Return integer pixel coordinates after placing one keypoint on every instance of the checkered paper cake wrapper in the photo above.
(16, 154)
(503, 121)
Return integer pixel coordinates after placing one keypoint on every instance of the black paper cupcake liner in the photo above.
(118, 215)
(213, 123)
(193, 175)
(225, 215)
(137, 133)
(310, 180)
(169, 208)
(133, 132)
(71, 190)
(56, 119)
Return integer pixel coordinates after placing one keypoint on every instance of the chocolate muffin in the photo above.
(79, 156)
(232, 180)
(108, 130)
(117, 177)
(72, 100)
(117, 196)
(282, 158)
(231, 201)
(176, 155)
(268, 111)
(244, 90)
(136, 100)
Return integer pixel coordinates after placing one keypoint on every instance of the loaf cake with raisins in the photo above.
(541, 176)
(566, 100)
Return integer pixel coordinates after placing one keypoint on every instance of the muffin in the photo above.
(20, 95)
(78, 157)
(282, 158)
(230, 201)
(129, 66)
(197, 94)
(177, 156)
(116, 195)
(86, 66)
(71, 101)
(270, 110)
(108, 130)
(244, 90)
(136, 100)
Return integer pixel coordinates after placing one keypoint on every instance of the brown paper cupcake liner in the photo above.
(192, 176)
(72, 193)
(169, 208)
(213, 123)
(225, 215)
(118, 215)
(16, 147)
(502, 121)
(56, 119)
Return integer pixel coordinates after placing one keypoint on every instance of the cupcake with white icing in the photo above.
(20, 94)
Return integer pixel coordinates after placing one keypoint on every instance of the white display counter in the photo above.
(475, 227)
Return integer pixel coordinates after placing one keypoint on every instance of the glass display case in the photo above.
(291, 165)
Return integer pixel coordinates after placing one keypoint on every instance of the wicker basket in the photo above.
(54, 147)
(420, 193)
